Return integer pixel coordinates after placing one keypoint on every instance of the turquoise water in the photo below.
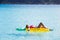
(14, 16)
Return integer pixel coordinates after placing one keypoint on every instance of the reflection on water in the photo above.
(26, 36)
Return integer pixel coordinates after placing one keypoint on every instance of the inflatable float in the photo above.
(37, 29)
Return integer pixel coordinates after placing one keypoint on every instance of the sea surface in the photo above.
(14, 16)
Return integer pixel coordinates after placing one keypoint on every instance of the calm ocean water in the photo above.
(14, 16)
